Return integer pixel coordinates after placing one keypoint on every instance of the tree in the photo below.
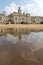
(41, 22)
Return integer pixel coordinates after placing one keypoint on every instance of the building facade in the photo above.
(20, 18)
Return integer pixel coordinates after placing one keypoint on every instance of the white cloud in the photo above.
(11, 8)
(34, 8)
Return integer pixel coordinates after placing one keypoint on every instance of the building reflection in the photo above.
(16, 32)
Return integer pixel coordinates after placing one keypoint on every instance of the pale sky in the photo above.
(33, 7)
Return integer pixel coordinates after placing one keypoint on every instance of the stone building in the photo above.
(20, 18)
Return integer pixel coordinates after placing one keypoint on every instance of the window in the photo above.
(33, 21)
(16, 18)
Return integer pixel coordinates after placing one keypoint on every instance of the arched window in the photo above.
(16, 18)
(33, 21)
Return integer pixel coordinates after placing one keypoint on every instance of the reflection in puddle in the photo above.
(21, 47)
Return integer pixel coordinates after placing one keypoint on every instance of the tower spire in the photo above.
(19, 10)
